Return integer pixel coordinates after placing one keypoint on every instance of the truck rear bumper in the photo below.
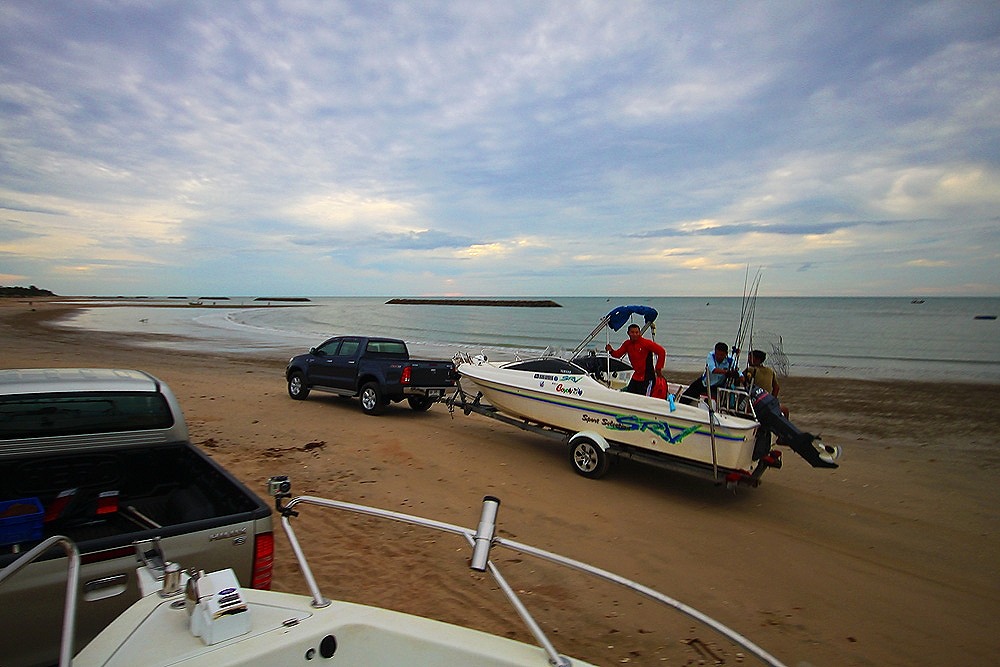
(437, 393)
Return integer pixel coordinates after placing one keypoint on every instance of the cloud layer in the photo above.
(532, 148)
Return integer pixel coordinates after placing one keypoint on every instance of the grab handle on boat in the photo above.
(484, 534)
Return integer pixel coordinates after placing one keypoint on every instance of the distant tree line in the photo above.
(18, 291)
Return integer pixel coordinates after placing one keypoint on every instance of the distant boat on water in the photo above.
(985, 317)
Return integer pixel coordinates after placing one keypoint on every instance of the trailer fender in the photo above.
(594, 436)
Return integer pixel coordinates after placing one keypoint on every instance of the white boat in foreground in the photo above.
(207, 620)
(722, 439)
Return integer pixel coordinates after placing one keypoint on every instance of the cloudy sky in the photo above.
(317, 147)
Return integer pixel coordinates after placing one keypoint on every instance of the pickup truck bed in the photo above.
(161, 491)
(107, 456)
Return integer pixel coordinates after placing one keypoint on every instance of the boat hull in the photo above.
(578, 403)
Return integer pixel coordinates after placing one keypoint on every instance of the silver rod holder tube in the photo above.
(171, 580)
(711, 422)
(484, 534)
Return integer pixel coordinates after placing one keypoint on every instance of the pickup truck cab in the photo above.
(103, 457)
(378, 370)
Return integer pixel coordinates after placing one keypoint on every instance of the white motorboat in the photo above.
(578, 399)
(559, 394)
(199, 619)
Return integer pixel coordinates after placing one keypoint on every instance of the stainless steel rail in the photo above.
(72, 581)
(484, 536)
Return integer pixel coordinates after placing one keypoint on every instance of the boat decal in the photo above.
(614, 421)
(572, 391)
(660, 428)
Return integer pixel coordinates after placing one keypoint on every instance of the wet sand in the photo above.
(892, 559)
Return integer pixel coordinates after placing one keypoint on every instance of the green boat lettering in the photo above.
(659, 428)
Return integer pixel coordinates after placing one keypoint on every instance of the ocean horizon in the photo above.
(875, 338)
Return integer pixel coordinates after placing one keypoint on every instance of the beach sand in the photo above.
(892, 559)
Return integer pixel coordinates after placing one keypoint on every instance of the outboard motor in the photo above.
(805, 445)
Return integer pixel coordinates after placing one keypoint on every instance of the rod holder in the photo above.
(171, 580)
(484, 534)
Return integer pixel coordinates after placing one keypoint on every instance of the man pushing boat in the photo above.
(647, 358)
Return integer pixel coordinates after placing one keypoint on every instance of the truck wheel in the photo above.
(297, 387)
(371, 399)
(588, 458)
(420, 403)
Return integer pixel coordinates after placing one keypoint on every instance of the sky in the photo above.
(517, 148)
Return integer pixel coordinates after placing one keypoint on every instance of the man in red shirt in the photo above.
(646, 356)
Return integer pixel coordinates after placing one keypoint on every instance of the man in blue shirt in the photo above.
(719, 366)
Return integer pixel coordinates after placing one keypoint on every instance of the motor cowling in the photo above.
(769, 414)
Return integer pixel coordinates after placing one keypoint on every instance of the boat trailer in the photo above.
(462, 400)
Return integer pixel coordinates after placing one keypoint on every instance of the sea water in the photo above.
(852, 337)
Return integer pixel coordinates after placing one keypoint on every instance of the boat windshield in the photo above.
(547, 365)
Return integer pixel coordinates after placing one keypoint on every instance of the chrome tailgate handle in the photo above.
(105, 587)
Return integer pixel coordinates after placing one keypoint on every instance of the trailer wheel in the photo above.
(420, 403)
(297, 387)
(372, 402)
(588, 458)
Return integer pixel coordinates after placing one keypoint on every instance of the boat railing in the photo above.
(72, 581)
(736, 402)
(482, 540)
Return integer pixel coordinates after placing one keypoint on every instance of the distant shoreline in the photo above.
(509, 303)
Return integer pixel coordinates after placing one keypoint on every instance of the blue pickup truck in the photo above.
(378, 370)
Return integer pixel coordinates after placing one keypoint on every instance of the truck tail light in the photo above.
(406, 377)
(263, 561)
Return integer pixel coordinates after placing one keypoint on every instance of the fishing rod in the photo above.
(747, 311)
(743, 310)
(750, 317)
(749, 294)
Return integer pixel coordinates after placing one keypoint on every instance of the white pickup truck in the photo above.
(102, 456)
